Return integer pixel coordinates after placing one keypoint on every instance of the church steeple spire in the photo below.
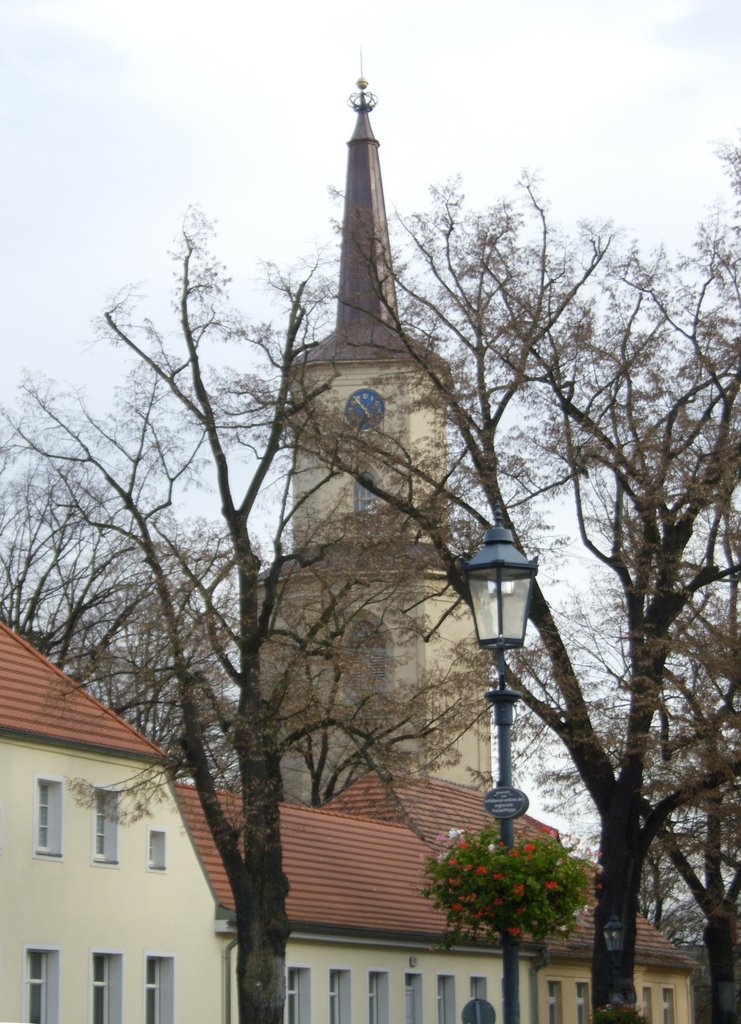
(366, 295)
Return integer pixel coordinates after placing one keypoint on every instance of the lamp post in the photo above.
(614, 936)
(500, 580)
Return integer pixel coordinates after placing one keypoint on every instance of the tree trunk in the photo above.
(719, 937)
(617, 893)
(262, 933)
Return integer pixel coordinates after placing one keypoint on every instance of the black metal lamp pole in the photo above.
(500, 580)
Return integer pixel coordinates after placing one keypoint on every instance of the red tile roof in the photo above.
(427, 806)
(344, 872)
(38, 700)
(362, 872)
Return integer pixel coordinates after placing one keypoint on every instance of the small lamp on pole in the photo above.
(500, 581)
(614, 934)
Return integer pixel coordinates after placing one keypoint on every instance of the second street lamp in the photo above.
(614, 937)
(500, 580)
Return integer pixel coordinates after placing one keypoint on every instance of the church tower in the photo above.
(379, 434)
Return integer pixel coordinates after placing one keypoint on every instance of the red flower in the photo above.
(462, 846)
(457, 906)
(529, 847)
(481, 870)
(498, 878)
(514, 930)
(551, 885)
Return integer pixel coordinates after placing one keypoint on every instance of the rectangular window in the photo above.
(48, 819)
(554, 1002)
(477, 987)
(105, 826)
(339, 997)
(445, 999)
(107, 988)
(157, 849)
(159, 990)
(412, 999)
(667, 1003)
(582, 1003)
(378, 997)
(42, 986)
(298, 996)
(648, 1010)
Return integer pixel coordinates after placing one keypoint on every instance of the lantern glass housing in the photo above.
(500, 580)
(501, 599)
(613, 933)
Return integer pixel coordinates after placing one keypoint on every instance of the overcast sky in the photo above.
(117, 116)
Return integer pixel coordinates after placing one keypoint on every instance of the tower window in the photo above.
(367, 670)
(365, 500)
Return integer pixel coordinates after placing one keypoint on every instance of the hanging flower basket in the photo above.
(486, 890)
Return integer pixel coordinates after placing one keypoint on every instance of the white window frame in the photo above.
(48, 814)
(648, 1003)
(47, 982)
(583, 1009)
(668, 1005)
(156, 858)
(111, 985)
(478, 986)
(378, 996)
(105, 813)
(162, 989)
(413, 998)
(445, 998)
(340, 995)
(554, 1002)
(298, 994)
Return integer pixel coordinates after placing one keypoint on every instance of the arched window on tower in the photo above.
(365, 500)
(367, 660)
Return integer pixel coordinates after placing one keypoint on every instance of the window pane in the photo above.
(582, 1002)
(37, 993)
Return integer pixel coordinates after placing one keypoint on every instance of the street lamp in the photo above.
(614, 934)
(500, 581)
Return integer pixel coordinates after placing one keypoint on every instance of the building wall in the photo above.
(662, 993)
(442, 975)
(71, 906)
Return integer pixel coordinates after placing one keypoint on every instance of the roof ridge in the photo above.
(76, 687)
(325, 811)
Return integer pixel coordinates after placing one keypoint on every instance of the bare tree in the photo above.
(572, 371)
(241, 634)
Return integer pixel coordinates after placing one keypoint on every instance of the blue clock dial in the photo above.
(365, 408)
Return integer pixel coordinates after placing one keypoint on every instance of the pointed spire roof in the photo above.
(366, 295)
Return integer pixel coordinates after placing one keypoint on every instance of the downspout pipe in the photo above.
(538, 964)
(228, 981)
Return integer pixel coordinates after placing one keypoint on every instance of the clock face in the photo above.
(364, 408)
